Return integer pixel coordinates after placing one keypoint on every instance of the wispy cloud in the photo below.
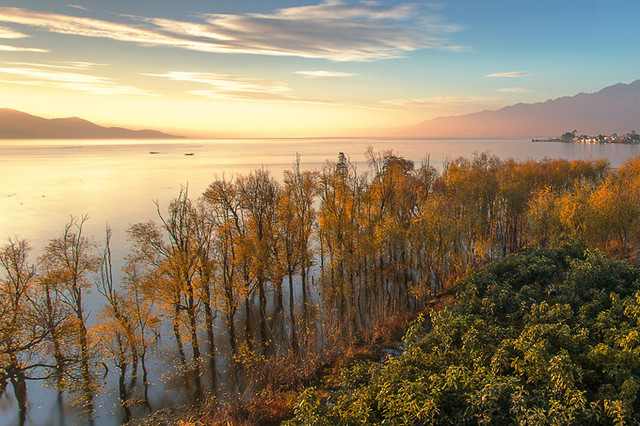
(7, 48)
(9, 33)
(82, 65)
(77, 6)
(88, 27)
(435, 101)
(58, 65)
(41, 76)
(331, 30)
(244, 88)
(324, 74)
(511, 74)
(514, 90)
(228, 86)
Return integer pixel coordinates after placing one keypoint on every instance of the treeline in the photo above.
(274, 275)
(545, 336)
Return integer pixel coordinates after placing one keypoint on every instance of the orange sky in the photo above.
(309, 68)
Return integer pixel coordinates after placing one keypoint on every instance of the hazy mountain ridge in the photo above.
(614, 109)
(20, 125)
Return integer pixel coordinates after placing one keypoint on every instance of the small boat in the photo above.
(153, 152)
(189, 153)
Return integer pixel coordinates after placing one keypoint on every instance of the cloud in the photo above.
(37, 76)
(511, 74)
(7, 48)
(58, 65)
(9, 33)
(435, 101)
(77, 6)
(514, 90)
(88, 27)
(231, 86)
(82, 65)
(332, 30)
(324, 74)
(243, 88)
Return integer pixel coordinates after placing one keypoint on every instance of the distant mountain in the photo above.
(614, 109)
(19, 125)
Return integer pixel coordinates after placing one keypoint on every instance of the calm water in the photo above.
(42, 183)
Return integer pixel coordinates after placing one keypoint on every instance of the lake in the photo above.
(116, 182)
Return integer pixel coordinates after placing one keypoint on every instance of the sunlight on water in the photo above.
(116, 182)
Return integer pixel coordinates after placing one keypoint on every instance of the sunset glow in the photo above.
(313, 68)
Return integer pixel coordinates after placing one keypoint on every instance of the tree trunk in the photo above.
(84, 362)
(231, 330)
(247, 322)
(19, 383)
(294, 337)
(208, 315)
(278, 301)
(195, 347)
(305, 313)
(145, 380)
(177, 335)
(263, 316)
(122, 387)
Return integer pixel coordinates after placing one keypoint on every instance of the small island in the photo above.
(573, 137)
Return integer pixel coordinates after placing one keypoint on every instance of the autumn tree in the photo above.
(293, 228)
(21, 332)
(117, 330)
(57, 318)
(203, 228)
(340, 191)
(174, 252)
(144, 314)
(297, 218)
(259, 194)
(228, 231)
(70, 261)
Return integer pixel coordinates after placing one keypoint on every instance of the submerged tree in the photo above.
(173, 253)
(117, 330)
(144, 315)
(20, 329)
(203, 225)
(341, 192)
(233, 280)
(70, 261)
(295, 220)
(259, 194)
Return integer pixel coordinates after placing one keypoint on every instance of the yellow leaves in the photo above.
(599, 207)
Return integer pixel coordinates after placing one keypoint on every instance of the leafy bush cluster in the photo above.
(545, 336)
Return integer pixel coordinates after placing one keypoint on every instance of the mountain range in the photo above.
(614, 109)
(19, 125)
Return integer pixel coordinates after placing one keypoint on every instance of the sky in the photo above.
(252, 68)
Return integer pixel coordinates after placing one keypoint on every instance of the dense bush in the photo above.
(545, 336)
